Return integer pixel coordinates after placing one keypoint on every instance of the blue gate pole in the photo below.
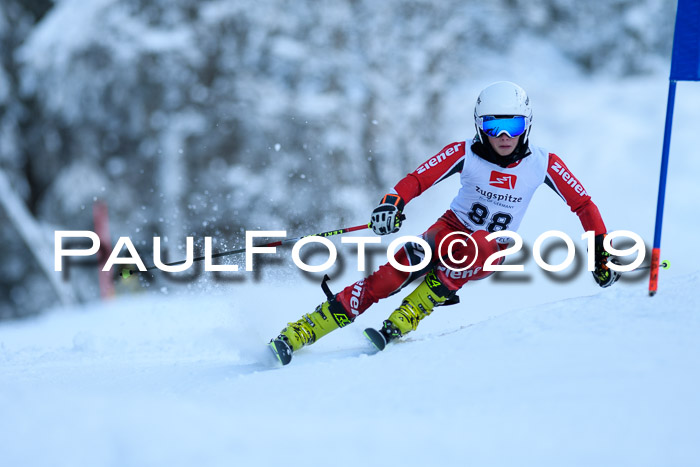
(656, 251)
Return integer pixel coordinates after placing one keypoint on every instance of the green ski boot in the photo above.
(327, 317)
(416, 306)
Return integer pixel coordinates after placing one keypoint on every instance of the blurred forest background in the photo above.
(212, 117)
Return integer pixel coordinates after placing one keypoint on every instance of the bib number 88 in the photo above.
(480, 213)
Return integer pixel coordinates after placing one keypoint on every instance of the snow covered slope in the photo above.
(610, 379)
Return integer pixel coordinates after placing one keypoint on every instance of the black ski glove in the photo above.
(387, 217)
(603, 275)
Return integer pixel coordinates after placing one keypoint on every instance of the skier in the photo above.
(499, 173)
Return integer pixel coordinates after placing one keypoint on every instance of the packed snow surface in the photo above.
(607, 379)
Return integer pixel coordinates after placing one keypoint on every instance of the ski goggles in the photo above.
(496, 126)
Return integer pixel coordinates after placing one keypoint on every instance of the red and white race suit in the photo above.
(491, 198)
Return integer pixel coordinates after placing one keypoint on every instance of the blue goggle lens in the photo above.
(495, 126)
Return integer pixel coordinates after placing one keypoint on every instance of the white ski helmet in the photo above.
(503, 99)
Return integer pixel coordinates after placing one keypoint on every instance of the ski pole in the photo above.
(665, 264)
(126, 272)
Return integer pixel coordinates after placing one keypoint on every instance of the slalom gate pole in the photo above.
(656, 250)
(685, 66)
(126, 272)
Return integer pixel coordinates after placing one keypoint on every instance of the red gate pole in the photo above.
(100, 217)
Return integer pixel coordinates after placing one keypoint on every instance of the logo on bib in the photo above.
(502, 180)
